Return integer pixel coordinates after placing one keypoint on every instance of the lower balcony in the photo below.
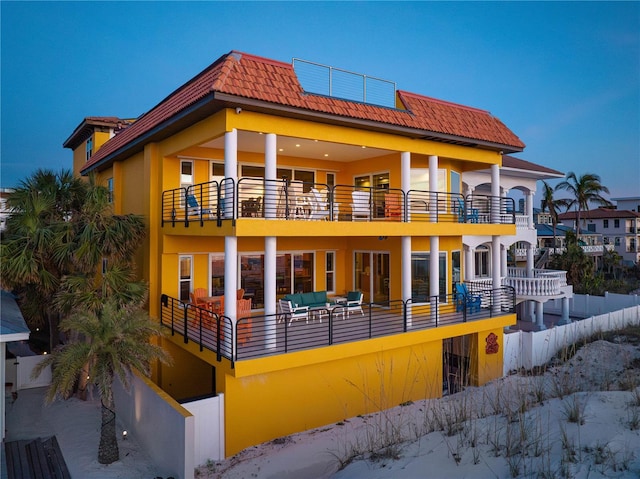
(542, 283)
(266, 335)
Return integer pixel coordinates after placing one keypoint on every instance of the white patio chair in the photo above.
(354, 303)
(298, 202)
(360, 208)
(319, 209)
(299, 312)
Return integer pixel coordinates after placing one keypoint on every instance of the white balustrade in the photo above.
(522, 221)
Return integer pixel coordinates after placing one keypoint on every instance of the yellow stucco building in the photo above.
(268, 191)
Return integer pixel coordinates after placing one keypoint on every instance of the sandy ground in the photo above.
(517, 426)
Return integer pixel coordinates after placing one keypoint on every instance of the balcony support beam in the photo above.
(270, 172)
(495, 194)
(495, 272)
(434, 272)
(433, 188)
(230, 281)
(230, 170)
(529, 206)
(270, 252)
(406, 276)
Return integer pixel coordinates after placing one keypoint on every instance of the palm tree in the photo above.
(552, 205)
(113, 341)
(584, 190)
(32, 250)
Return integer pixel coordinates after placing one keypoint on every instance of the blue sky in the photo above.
(565, 77)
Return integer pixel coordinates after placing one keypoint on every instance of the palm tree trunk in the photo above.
(108, 449)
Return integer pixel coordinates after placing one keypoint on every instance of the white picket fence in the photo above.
(524, 349)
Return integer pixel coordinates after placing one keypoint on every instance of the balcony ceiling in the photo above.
(302, 148)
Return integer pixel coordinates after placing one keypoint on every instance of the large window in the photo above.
(371, 276)
(420, 179)
(294, 273)
(110, 189)
(185, 281)
(330, 271)
(420, 278)
(482, 262)
(217, 275)
(308, 177)
(89, 149)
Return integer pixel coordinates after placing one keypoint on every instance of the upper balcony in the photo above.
(303, 201)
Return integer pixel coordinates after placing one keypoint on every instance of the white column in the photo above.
(531, 306)
(230, 170)
(530, 251)
(495, 193)
(230, 280)
(270, 247)
(495, 272)
(434, 274)
(565, 319)
(540, 316)
(405, 174)
(270, 242)
(270, 171)
(469, 263)
(433, 187)
(503, 261)
(406, 275)
(529, 206)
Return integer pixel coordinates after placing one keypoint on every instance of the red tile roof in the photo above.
(275, 83)
(599, 213)
(518, 163)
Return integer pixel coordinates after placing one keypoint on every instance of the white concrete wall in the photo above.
(25, 367)
(528, 349)
(584, 305)
(209, 428)
(162, 426)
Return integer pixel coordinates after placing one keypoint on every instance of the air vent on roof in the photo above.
(337, 83)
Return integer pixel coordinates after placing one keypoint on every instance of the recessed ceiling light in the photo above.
(297, 145)
(326, 154)
(280, 149)
(363, 146)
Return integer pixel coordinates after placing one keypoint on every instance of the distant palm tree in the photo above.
(552, 205)
(113, 341)
(584, 190)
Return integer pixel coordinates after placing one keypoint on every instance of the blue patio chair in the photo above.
(470, 213)
(194, 209)
(466, 300)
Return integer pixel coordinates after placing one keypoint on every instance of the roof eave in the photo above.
(186, 117)
(294, 112)
(216, 101)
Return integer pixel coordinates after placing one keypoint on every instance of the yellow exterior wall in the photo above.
(279, 395)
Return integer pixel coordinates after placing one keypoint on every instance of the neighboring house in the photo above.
(256, 186)
(631, 203)
(12, 328)
(533, 285)
(4, 211)
(620, 228)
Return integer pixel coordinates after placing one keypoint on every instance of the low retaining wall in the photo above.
(528, 349)
(164, 428)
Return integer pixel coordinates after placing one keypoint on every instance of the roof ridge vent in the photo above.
(343, 84)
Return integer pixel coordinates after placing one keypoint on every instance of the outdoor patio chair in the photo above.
(360, 208)
(194, 209)
(319, 209)
(353, 303)
(294, 312)
(197, 294)
(392, 206)
(466, 300)
(468, 214)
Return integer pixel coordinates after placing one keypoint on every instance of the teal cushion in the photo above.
(296, 299)
(353, 295)
(308, 299)
(320, 297)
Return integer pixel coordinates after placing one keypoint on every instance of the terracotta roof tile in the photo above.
(271, 81)
(512, 162)
(599, 213)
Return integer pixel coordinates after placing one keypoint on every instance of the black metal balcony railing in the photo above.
(267, 335)
(297, 200)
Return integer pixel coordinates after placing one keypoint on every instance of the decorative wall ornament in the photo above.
(492, 346)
